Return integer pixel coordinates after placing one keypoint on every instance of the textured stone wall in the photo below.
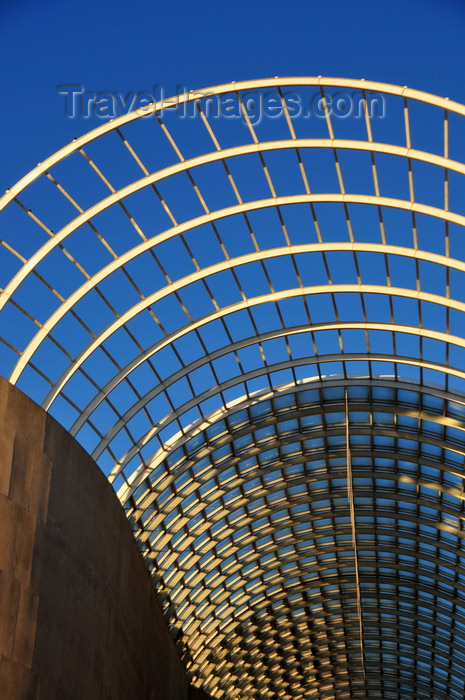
(78, 616)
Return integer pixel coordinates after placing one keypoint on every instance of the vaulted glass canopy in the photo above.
(248, 306)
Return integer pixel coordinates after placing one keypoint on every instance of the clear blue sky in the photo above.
(130, 46)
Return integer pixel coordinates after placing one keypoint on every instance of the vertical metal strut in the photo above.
(350, 496)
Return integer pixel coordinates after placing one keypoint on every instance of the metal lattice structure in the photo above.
(256, 327)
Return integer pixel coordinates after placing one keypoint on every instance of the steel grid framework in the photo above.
(256, 327)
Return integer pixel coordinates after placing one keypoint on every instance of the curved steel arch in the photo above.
(275, 296)
(55, 318)
(186, 166)
(279, 333)
(197, 393)
(220, 267)
(425, 333)
(251, 375)
(363, 85)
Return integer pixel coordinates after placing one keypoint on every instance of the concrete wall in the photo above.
(78, 616)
